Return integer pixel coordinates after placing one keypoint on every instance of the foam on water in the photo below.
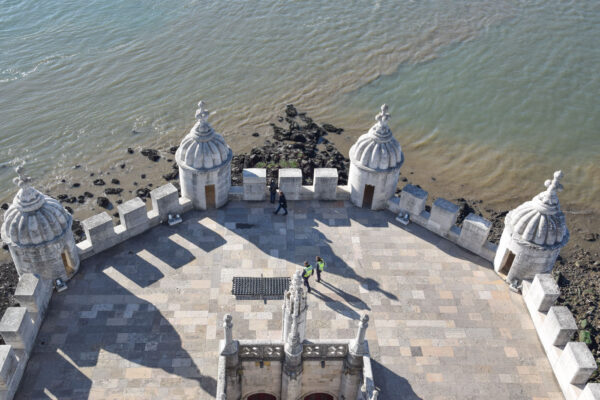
(493, 92)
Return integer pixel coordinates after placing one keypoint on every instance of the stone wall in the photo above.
(442, 221)
(19, 328)
(572, 362)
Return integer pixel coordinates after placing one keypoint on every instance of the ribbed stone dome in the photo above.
(203, 148)
(378, 149)
(541, 220)
(34, 218)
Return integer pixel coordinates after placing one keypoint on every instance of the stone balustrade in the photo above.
(19, 327)
(572, 362)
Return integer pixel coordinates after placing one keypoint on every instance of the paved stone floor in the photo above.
(142, 320)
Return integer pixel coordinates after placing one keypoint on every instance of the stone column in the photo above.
(229, 350)
(291, 380)
(352, 376)
(294, 304)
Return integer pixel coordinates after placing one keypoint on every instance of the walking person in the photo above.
(273, 190)
(320, 267)
(282, 203)
(308, 270)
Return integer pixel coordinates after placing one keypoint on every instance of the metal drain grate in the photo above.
(245, 288)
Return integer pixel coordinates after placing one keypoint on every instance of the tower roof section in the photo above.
(203, 148)
(540, 220)
(378, 149)
(33, 218)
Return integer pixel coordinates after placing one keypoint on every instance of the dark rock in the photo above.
(4, 206)
(332, 129)
(81, 199)
(171, 175)
(119, 201)
(76, 185)
(115, 181)
(122, 166)
(291, 111)
(299, 138)
(62, 197)
(69, 209)
(130, 150)
(173, 149)
(108, 191)
(92, 174)
(99, 182)
(88, 194)
(77, 166)
(143, 193)
(103, 202)
(151, 154)
(143, 176)
(255, 134)
(77, 229)
(71, 200)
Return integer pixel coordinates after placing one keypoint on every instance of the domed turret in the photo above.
(204, 161)
(533, 235)
(37, 230)
(375, 161)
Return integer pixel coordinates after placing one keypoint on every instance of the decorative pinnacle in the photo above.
(297, 279)
(22, 180)
(202, 113)
(294, 336)
(383, 116)
(228, 327)
(554, 186)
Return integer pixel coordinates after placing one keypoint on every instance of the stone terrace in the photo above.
(143, 319)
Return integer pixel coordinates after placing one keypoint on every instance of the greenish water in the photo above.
(497, 93)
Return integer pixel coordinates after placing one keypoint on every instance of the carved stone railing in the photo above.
(324, 350)
(260, 350)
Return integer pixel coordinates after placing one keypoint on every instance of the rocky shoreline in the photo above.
(299, 142)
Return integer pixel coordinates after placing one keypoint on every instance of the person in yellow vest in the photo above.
(308, 270)
(320, 268)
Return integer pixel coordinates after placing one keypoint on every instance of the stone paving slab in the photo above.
(142, 320)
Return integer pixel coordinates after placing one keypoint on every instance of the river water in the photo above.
(491, 95)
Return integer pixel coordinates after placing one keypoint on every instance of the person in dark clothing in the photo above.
(273, 190)
(308, 270)
(282, 203)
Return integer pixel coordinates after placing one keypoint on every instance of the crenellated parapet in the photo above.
(19, 327)
(572, 362)
(442, 221)
(135, 218)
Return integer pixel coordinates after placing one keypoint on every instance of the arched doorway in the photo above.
(319, 396)
(261, 396)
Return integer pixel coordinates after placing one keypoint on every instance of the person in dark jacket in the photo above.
(273, 190)
(282, 203)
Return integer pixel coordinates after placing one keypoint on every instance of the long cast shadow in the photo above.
(97, 313)
(306, 242)
(335, 305)
(392, 386)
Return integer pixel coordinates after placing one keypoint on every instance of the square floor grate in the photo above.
(259, 288)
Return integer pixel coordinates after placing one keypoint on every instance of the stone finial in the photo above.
(383, 117)
(297, 280)
(553, 186)
(358, 346)
(228, 327)
(22, 181)
(202, 113)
